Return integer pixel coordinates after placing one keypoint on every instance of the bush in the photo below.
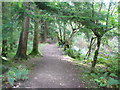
(110, 62)
(105, 80)
(16, 73)
(4, 69)
(73, 53)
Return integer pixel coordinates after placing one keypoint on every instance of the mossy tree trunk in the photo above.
(35, 50)
(44, 30)
(4, 48)
(4, 32)
(96, 54)
(22, 47)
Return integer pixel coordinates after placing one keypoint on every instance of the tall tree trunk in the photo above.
(96, 54)
(12, 43)
(4, 33)
(64, 32)
(11, 31)
(35, 41)
(60, 35)
(22, 47)
(45, 32)
(64, 37)
(42, 28)
(58, 38)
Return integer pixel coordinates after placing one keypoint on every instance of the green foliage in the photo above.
(110, 62)
(11, 77)
(113, 82)
(59, 15)
(106, 80)
(20, 4)
(3, 68)
(101, 80)
(75, 54)
(1, 77)
(16, 73)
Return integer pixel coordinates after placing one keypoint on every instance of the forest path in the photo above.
(53, 71)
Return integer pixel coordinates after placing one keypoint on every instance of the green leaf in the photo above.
(98, 81)
(25, 77)
(11, 81)
(102, 85)
(101, 77)
(112, 74)
(18, 75)
(112, 81)
(20, 4)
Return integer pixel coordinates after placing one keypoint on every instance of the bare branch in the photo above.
(113, 10)
(100, 8)
(109, 29)
(108, 15)
(71, 25)
(93, 8)
(74, 30)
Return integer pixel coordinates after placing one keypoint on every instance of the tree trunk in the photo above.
(22, 47)
(67, 42)
(66, 45)
(64, 36)
(60, 38)
(12, 43)
(90, 46)
(4, 33)
(4, 48)
(64, 32)
(45, 31)
(96, 54)
(35, 41)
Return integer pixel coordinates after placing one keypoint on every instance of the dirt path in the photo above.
(53, 71)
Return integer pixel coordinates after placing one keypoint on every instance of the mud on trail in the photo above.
(53, 71)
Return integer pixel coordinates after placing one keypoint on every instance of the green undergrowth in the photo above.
(16, 70)
(14, 74)
(99, 79)
(75, 54)
(106, 70)
(12, 53)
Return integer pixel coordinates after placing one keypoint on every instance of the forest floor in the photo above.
(54, 70)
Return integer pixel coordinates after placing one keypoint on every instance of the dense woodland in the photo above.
(85, 31)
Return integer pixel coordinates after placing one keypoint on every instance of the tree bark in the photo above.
(64, 32)
(90, 46)
(22, 47)
(35, 41)
(4, 48)
(4, 33)
(107, 20)
(96, 54)
(60, 38)
(64, 36)
(45, 32)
